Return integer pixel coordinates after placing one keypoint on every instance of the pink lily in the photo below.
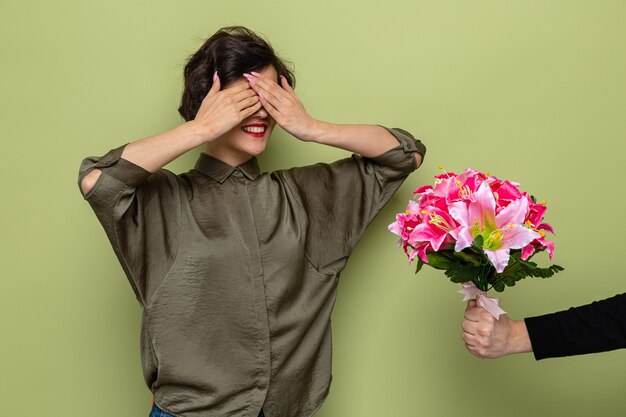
(435, 229)
(501, 232)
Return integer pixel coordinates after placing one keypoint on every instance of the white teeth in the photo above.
(254, 129)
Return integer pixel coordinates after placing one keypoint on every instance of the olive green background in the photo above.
(532, 90)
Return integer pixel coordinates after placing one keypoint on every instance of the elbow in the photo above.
(89, 181)
(418, 160)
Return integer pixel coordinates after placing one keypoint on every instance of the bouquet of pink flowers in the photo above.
(482, 231)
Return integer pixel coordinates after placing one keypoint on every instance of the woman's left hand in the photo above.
(283, 105)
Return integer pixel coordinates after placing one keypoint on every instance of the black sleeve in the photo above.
(596, 327)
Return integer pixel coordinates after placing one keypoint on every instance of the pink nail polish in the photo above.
(215, 76)
(256, 74)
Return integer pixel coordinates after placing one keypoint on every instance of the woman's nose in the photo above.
(261, 113)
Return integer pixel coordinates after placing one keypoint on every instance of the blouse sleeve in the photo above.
(140, 213)
(596, 327)
(340, 199)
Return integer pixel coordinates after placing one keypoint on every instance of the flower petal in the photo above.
(395, 228)
(546, 227)
(518, 237)
(464, 238)
(549, 245)
(413, 207)
(527, 251)
(499, 258)
(514, 213)
(459, 212)
(482, 212)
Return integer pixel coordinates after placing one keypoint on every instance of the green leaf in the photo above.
(420, 264)
(498, 286)
(468, 257)
(519, 269)
(509, 282)
(462, 272)
(441, 260)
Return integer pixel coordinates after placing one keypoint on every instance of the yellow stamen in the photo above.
(533, 228)
(488, 173)
(439, 221)
(544, 202)
(444, 171)
(464, 191)
(424, 212)
(511, 226)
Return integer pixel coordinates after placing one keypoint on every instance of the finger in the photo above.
(216, 85)
(473, 314)
(470, 304)
(254, 86)
(269, 97)
(470, 341)
(233, 91)
(251, 110)
(268, 85)
(468, 327)
(268, 106)
(472, 348)
(469, 338)
(250, 101)
(285, 84)
(244, 95)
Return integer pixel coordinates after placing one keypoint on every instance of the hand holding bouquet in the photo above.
(482, 231)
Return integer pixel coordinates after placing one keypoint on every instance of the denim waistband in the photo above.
(157, 412)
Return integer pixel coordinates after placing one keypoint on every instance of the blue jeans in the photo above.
(157, 412)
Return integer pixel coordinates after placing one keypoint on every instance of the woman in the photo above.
(236, 271)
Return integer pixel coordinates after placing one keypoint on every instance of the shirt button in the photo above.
(104, 163)
(237, 173)
(408, 147)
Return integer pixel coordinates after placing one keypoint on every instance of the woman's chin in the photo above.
(257, 147)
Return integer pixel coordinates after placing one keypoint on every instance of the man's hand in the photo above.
(487, 337)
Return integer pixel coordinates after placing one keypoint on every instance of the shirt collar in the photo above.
(220, 171)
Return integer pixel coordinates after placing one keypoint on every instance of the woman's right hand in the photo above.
(222, 110)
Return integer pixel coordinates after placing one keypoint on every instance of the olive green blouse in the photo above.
(236, 272)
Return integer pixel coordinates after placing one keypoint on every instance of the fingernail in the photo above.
(215, 76)
(256, 74)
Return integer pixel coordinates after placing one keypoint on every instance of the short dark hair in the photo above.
(231, 51)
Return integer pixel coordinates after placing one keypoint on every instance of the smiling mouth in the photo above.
(256, 130)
